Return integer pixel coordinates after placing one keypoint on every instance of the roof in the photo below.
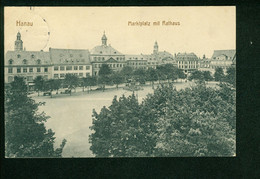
(228, 53)
(31, 57)
(104, 50)
(164, 55)
(186, 56)
(135, 57)
(69, 56)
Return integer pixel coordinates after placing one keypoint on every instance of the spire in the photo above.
(104, 39)
(18, 44)
(155, 47)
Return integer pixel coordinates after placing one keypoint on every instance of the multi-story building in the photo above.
(188, 62)
(136, 61)
(223, 59)
(159, 57)
(28, 64)
(72, 61)
(204, 64)
(106, 54)
(53, 64)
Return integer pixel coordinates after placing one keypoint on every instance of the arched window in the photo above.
(18, 56)
(32, 56)
(38, 61)
(11, 61)
(24, 61)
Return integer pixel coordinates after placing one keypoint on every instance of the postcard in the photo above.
(120, 81)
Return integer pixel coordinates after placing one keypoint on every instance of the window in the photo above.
(120, 65)
(62, 75)
(11, 62)
(30, 69)
(95, 65)
(18, 56)
(24, 70)
(95, 58)
(46, 69)
(24, 61)
(87, 74)
(38, 61)
(80, 74)
(56, 75)
(32, 56)
(103, 59)
(117, 65)
(10, 70)
(45, 77)
(76, 74)
(18, 70)
(38, 69)
(87, 67)
(62, 68)
(80, 67)
(98, 58)
(68, 68)
(56, 68)
(75, 67)
(116, 58)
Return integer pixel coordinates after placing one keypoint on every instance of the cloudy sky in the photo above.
(202, 29)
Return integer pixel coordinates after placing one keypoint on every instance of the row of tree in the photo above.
(109, 77)
(219, 75)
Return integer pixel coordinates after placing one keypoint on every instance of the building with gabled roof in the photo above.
(106, 54)
(188, 62)
(223, 59)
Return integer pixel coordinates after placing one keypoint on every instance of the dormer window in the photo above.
(38, 61)
(32, 56)
(18, 56)
(100, 52)
(114, 52)
(24, 61)
(11, 62)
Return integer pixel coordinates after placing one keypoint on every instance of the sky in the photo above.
(201, 29)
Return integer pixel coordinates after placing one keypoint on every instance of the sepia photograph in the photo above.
(86, 82)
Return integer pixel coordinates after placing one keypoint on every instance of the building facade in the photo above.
(55, 63)
(188, 62)
(70, 61)
(106, 54)
(223, 59)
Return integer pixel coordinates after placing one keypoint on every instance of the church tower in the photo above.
(104, 39)
(18, 45)
(155, 48)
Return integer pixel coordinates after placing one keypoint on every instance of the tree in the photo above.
(117, 131)
(219, 74)
(89, 81)
(72, 81)
(51, 85)
(127, 72)
(139, 75)
(207, 76)
(39, 84)
(181, 74)
(196, 75)
(105, 75)
(25, 133)
(117, 78)
(196, 121)
(231, 76)
(151, 76)
(105, 70)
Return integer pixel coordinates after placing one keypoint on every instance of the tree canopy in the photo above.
(25, 133)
